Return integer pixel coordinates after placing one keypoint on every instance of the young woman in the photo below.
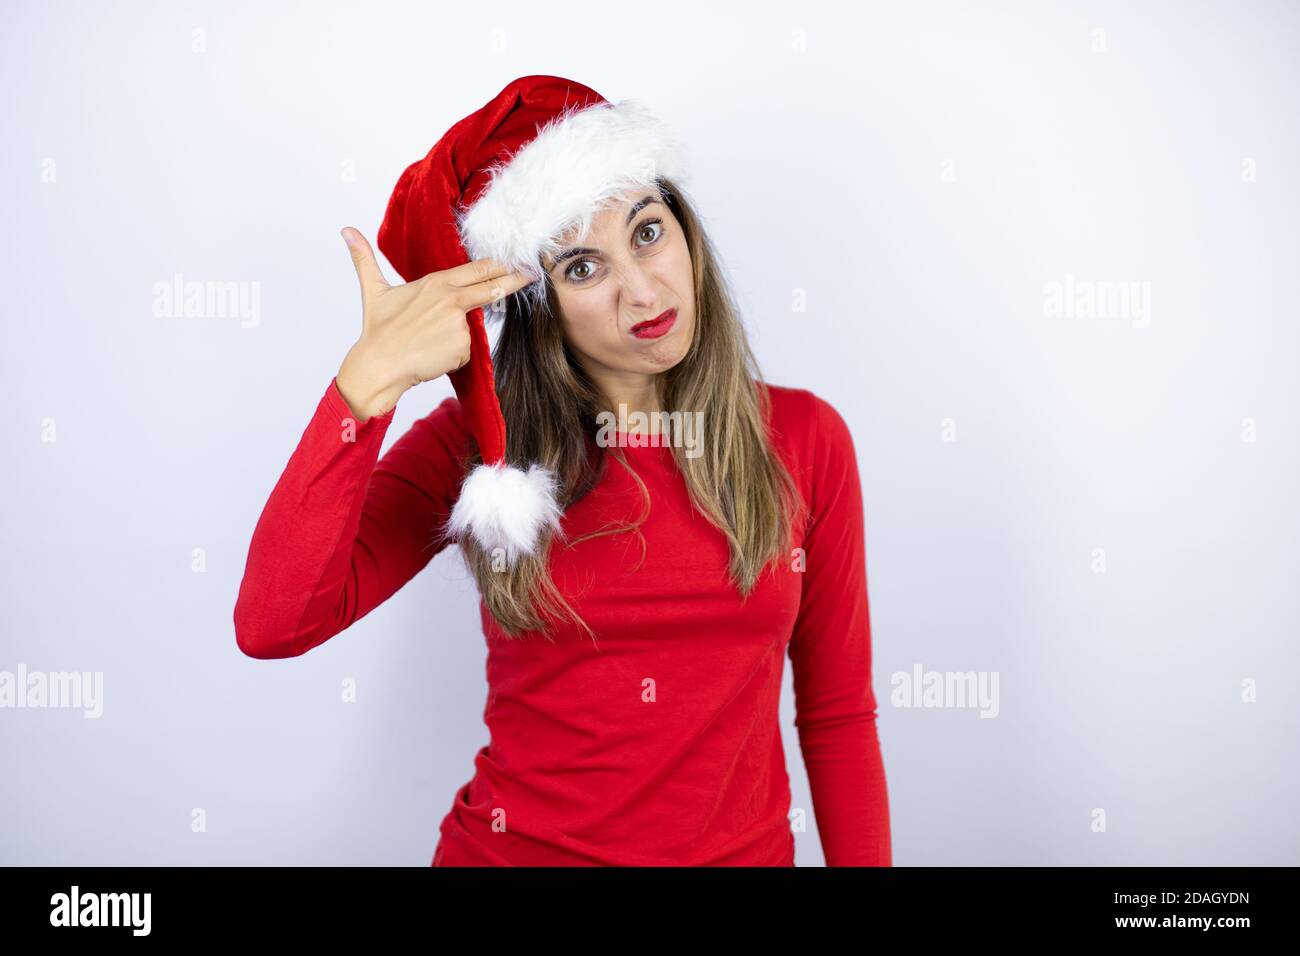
(637, 633)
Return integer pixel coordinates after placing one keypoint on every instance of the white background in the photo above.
(919, 172)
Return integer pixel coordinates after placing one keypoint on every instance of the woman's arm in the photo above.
(343, 530)
(831, 654)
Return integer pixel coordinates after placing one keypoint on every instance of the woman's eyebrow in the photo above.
(638, 206)
(583, 251)
(570, 253)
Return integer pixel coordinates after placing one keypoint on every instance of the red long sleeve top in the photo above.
(659, 743)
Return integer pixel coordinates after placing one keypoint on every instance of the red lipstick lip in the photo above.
(656, 327)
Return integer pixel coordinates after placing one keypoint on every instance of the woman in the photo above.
(643, 580)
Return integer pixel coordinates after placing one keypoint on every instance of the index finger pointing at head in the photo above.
(491, 290)
(476, 271)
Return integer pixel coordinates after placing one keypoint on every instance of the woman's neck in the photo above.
(636, 392)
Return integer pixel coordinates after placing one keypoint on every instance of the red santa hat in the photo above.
(507, 182)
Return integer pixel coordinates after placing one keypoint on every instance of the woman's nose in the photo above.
(638, 283)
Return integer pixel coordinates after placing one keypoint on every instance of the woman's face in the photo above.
(633, 267)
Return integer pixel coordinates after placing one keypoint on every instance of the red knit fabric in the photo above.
(659, 744)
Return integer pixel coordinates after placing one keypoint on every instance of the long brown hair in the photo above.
(550, 406)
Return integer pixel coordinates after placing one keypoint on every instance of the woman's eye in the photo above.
(652, 226)
(569, 273)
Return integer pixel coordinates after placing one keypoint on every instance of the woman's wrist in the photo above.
(365, 393)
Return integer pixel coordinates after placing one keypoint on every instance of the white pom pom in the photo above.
(505, 507)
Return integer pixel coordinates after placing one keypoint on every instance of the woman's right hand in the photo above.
(415, 332)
